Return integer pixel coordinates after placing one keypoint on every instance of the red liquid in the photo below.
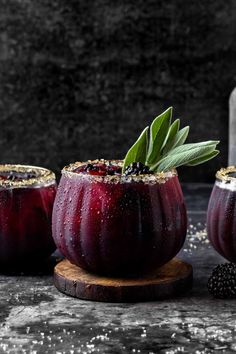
(118, 228)
(221, 222)
(25, 223)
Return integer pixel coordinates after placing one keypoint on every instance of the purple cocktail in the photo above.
(26, 199)
(221, 214)
(113, 224)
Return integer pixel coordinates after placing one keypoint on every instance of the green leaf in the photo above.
(158, 131)
(180, 137)
(138, 151)
(184, 155)
(204, 158)
(182, 159)
(187, 147)
(170, 138)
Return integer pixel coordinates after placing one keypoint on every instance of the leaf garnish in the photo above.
(184, 155)
(180, 137)
(158, 131)
(203, 158)
(164, 147)
(171, 136)
(138, 151)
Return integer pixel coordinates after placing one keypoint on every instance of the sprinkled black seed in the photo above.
(137, 168)
(222, 282)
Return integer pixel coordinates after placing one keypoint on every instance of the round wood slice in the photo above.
(174, 278)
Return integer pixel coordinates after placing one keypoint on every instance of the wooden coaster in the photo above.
(174, 278)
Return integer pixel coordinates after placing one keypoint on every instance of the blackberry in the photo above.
(137, 168)
(222, 282)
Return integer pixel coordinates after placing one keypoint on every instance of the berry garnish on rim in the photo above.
(162, 147)
(137, 168)
(222, 282)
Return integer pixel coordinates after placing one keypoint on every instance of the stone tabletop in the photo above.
(36, 318)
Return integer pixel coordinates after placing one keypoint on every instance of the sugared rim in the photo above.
(43, 176)
(159, 177)
(223, 174)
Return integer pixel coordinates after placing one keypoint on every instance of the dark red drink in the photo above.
(113, 224)
(26, 199)
(221, 214)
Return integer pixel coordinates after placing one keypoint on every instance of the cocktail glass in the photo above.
(112, 224)
(221, 214)
(27, 194)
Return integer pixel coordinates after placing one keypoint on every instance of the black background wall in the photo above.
(80, 79)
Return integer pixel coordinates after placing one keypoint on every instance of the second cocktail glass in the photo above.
(26, 199)
(221, 214)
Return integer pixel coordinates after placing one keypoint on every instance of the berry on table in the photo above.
(222, 282)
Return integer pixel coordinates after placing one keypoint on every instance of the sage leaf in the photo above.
(180, 137)
(203, 158)
(170, 138)
(138, 151)
(183, 156)
(158, 131)
(187, 147)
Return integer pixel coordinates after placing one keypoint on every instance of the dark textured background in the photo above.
(80, 79)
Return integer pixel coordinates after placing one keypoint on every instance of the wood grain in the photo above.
(171, 280)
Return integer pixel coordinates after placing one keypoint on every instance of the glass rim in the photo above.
(159, 177)
(223, 174)
(44, 176)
